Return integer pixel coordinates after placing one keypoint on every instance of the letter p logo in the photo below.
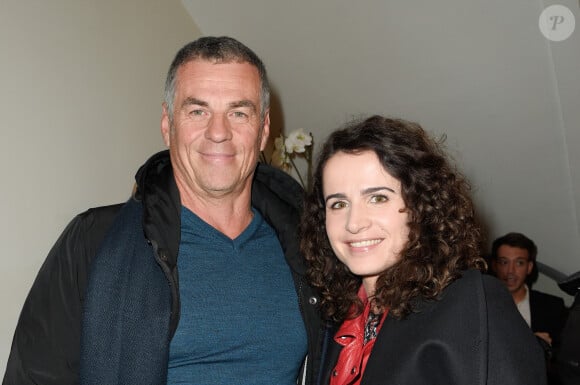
(557, 23)
(556, 20)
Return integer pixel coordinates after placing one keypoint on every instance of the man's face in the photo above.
(216, 134)
(512, 267)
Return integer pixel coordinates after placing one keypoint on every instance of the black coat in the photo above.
(46, 344)
(548, 314)
(473, 335)
(568, 359)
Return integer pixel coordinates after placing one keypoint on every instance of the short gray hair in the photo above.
(221, 49)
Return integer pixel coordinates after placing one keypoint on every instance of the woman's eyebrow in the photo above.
(371, 190)
(333, 196)
(365, 191)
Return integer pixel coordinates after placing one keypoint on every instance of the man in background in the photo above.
(513, 258)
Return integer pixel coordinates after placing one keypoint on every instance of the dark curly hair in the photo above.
(444, 235)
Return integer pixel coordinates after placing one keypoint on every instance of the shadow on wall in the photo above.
(276, 119)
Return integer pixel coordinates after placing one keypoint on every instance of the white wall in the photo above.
(80, 105)
(479, 71)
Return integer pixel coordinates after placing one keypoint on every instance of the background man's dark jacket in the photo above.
(548, 314)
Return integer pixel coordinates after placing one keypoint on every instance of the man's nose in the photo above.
(218, 129)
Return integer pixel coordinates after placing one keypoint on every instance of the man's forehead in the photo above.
(512, 252)
(200, 63)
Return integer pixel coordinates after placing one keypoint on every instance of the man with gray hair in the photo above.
(197, 278)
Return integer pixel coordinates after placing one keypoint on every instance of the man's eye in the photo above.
(197, 113)
(240, 116)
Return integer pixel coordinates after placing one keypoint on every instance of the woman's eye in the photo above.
(379, 199)
(338, 205)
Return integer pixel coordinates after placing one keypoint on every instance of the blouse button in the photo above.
(335, 373)
(353, 371)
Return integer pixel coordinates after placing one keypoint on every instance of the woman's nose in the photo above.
(357, 220)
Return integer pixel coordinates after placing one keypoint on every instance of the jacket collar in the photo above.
(276, 195)
(157, 189)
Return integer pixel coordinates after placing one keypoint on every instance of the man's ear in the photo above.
(265, 131)
(165, 125)
(530, 267)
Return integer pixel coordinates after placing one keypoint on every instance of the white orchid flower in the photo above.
(297, 144)
(297, 141)
(280, 156)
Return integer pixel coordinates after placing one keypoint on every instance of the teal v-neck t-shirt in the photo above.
(240, 320)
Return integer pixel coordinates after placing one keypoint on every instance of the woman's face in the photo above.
(366, 220)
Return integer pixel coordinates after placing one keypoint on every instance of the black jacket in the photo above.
(472, 335)
(548, 314)
(568, 359)
(46, 344)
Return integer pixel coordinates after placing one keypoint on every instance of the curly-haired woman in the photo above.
(393, 245)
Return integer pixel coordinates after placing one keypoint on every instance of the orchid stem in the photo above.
(297, 172)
